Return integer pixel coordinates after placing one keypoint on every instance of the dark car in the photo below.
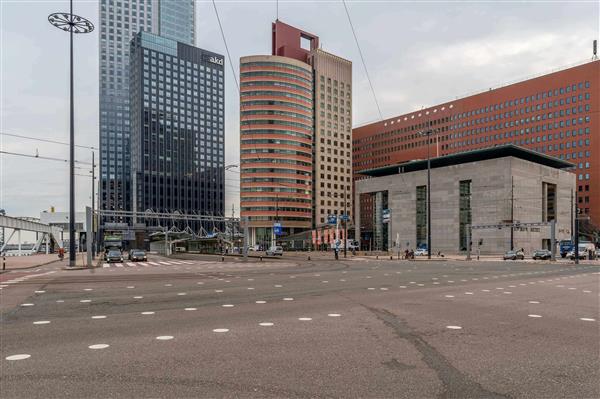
(113, 256)
(137, 255)
(514, 255)
(542, 254)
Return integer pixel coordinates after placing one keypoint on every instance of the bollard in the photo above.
(222, 258)
(3, 262)
(377, 257)
(391, 257)
(308, 257)
(261, 258)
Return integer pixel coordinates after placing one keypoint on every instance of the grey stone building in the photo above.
(493, 186)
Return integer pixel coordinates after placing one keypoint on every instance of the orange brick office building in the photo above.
(555, 114)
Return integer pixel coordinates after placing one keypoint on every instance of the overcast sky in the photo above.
(417, 53)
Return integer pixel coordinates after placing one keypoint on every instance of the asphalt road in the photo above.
(350, 329)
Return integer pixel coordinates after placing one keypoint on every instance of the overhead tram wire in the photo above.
(46, 140)
(44, 158)
(362, 58)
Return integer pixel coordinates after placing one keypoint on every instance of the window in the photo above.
(548, 202)
(421, 221)
(465, 214)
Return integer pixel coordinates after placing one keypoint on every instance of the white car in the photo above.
(276, 250)
(421, 252)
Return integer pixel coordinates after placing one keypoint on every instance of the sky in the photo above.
(417, 53)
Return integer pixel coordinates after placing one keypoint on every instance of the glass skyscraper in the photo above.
(120, 20)
(177, 127)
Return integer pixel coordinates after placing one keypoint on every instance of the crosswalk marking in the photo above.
(130, 264)
(119, 264)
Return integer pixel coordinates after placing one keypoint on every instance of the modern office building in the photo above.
(276, 134)
(469, 189)
(177, 126)
(332, 174)
(295, 136)
(554, 114)
(119, 21)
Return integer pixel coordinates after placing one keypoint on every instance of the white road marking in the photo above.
(59, 301)
(454, 327)
(138, 297)
(189, 309)
(27, 304)
(334, 315)
(105, 265)
(261, 302)
(99, 346)
(534, 315)
(265, 324)
(304, 318)
(227, 305)
(18, 357)
(164, 337)
(181, 293)
(99, 317)
(41, 322)
(586, 319)
(288, 299)
(468, 293)
(534, 302)
(218, 290)
(221, 330)
(449, 296)
(130, 286)
(85, 301)
(147, 313)
(39, 292)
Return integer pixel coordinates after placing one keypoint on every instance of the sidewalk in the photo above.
(33, 261)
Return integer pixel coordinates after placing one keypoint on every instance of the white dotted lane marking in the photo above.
(221, 330)
(88, 289)
(147, 313)
(138, 297)
(304, 318)
(218, 290)
(130, 286)
(587, 291)
(18, 357)
(454, 327)
(261, 302)
(200, 283)
(39, 291)
(189, 309)
(402, 286)
(265, 324)
(27, 304)
(485, 290)
(468, 293)
(278, 285)
(227, 305)
(164, 337)
(181, 293)
(334, 315)
(370, 288)
(449, 296)
(250, 288)
(534, 302)
(99, 317)
(41, 322)
(534, 315)
(99, 346)
(59, 301)
(586, 319)
(85, 301)
(168, 285)
(288, 299)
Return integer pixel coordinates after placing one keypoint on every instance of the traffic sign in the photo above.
(345, 217)
(332, 219)
(277, 229)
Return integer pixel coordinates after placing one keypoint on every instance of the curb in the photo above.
(29, 267)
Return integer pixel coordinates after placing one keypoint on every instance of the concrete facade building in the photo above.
(119, 22)
(554, 114)
(492, 186)
(177, 127)
(332, 174)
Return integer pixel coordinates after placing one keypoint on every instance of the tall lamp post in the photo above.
(71, 23)
(427, 133)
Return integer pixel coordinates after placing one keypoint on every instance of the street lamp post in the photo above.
(71, 23)
(427, 133)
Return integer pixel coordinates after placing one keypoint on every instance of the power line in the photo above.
(362, 59)
(226, 47)
(46, 140)
(45, 158)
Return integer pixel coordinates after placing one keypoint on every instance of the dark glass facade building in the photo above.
(177, 127)
(120, 20)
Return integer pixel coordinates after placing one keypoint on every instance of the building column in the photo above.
(378, 219)
(19, 240)
(357, 217)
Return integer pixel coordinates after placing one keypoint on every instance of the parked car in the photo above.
(542, 254)
(275, 250)
(514, 255)
(421, 252)
(113, 256)
(137, 255)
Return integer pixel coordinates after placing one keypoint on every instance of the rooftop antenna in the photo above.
(595, 50)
